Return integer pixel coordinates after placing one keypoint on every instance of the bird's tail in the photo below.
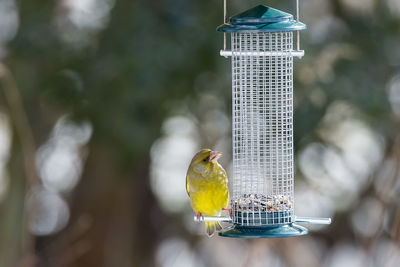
(211, 227)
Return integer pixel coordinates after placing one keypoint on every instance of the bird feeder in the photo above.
(262, 180)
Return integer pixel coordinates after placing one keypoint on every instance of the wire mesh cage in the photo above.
(262, 54)
(262, 101)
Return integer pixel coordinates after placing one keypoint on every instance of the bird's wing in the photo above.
(226, 176)
(223, 173)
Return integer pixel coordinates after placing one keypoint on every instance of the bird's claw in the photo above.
(198, 216)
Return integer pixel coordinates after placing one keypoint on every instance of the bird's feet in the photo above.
(199, 217)
(229, 210)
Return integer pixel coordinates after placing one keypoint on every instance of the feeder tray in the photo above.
(286, 230)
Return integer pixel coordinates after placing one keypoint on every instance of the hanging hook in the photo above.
(298, 32)
(224, 23)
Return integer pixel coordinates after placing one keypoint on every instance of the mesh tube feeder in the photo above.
(262, 54)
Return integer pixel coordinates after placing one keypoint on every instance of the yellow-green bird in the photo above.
(207, 186)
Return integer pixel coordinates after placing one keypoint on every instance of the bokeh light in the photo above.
(60, 163)
(394, 7)
(60, 160)
(345, 254)
(176, 252)
(5, 145)
(9, 23)
(357, 7)
(48, 212)
(394, 94)
(367, 218)
(170, 157)
(78, 19)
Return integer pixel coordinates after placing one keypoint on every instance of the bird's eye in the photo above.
(205, 159)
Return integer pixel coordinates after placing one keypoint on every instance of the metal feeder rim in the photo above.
(239, 231)
(262, 19)
(297, 219)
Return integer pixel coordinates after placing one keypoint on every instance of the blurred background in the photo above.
(104, 102)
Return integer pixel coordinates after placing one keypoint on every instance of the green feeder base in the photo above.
(287, 230)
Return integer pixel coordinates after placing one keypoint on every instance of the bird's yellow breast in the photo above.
(208, 195)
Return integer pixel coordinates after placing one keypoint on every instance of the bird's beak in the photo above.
(214, 156)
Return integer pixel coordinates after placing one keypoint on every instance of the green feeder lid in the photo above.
(262, 19)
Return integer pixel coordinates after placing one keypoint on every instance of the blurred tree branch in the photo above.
(28, 148)
(20, 120)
